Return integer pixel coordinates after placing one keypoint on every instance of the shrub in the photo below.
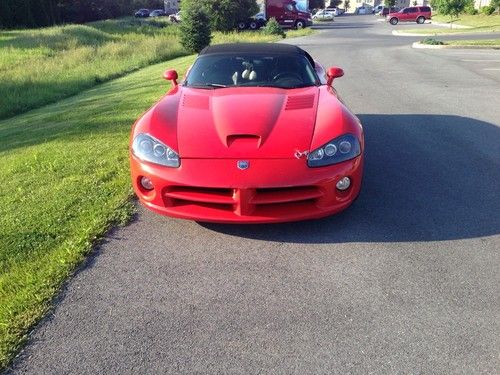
(196, 33)
(273, 28)
(469, 9)
(432, 41)
(488, 10)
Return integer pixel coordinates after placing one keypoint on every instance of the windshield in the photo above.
(248, 70)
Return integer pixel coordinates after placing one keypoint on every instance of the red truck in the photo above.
(288, 13)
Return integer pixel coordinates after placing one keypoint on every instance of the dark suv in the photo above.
(410, 14)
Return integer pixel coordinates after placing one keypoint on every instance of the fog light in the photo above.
(147, 183)
(344, 183)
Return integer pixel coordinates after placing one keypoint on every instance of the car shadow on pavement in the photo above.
(426, 178)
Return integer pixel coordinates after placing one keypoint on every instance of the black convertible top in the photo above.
(280, 48)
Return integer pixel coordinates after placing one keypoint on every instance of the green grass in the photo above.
(477, 24)
(478, 20)
(483, 43)
(64, 169)
(38, 67)
(42, 66)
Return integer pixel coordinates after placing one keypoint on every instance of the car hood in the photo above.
(241, 122)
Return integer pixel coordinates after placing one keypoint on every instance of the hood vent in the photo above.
(195, 101)
(299, 102)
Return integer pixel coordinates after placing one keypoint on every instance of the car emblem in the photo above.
(243, 164)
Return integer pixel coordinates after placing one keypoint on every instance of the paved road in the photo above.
(405, 281)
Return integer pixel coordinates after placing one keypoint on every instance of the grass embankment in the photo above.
(64, 168)
(479, 23)
(42, 66)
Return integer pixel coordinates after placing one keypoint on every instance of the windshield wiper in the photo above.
(207, 86)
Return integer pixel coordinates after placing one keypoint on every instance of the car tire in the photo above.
(420, 20)
(253, 25)
(241, 26)
(393, 21)
(300, 24)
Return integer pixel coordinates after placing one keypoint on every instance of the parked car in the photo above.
(363, 10)
(385, 11)
(142, 13)
(410, 14)
(336, 11)
(175, 17)
(377, 9)
(157, 13)
(323, 15)
(253, 134)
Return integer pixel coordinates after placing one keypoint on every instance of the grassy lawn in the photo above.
(64, 169)
(42, 66)
(478, 20)
(478, 24)
(486, 43)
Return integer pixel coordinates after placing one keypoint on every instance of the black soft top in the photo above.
(257, 48)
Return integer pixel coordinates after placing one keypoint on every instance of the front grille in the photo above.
(242, 201)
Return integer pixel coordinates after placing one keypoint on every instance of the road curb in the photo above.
(419, 45)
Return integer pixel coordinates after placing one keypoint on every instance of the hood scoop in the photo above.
(299, 102)
(243, 140)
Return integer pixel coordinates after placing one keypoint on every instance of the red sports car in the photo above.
(254, 134)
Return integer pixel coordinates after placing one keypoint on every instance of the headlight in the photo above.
(150, 149)
(340, 149)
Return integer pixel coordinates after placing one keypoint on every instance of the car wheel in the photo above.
(253, 25)
(393, 21)
(420, 19)
(300, 24)
(242, 25)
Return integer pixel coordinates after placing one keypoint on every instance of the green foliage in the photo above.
(389, 3)
(316, 4)
(432, 41)
(37, 13)
(195, 28)
(488, 10)
(273, 28)
(225, 14)
(471, 10)
(451, 8)
(495, 4)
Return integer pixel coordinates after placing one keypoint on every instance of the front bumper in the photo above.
(269, 191)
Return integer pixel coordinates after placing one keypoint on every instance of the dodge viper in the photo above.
(255, 133)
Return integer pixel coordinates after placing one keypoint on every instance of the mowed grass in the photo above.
(479, 23)
(495, 43)
(478, 20)
(65, 176)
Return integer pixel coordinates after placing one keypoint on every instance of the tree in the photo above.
(316, 4)
(347, 3)
(389, 3)
(225, 14)
(450, 8)
(495, 4)
(196, 33)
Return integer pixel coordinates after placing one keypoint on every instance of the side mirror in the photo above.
(332, 73)
(171, 75)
